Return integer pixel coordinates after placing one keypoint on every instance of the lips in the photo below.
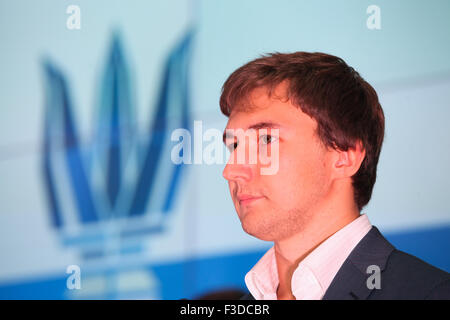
(247, 198)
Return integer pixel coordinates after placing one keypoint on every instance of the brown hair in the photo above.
(323, 86)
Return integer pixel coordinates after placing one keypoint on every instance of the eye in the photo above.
(267, 138)
(232, 146)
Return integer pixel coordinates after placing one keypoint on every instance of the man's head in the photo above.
(330, 131)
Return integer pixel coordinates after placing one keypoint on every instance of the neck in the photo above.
(325, 221)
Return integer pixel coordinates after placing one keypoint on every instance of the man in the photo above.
(327, 126)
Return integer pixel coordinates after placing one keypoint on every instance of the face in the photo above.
(276, 206)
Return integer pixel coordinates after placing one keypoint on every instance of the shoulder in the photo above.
(403, 276)
(404, 262)
(408, 277)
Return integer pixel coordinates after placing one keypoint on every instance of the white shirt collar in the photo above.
(314, 274)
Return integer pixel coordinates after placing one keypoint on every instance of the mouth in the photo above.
(245, 199)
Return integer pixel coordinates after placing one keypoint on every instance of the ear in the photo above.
(347, 163)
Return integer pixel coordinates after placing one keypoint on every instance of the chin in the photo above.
(257, 230)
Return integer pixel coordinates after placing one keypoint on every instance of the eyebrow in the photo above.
(256, 126)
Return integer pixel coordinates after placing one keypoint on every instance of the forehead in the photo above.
(276, 109)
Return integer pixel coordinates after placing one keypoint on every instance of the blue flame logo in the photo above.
(119, 184)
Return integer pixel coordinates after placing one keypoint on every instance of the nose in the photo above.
(237, 172)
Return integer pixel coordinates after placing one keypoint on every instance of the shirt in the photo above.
(315, 272)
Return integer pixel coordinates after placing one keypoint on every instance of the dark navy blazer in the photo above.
(403, 276)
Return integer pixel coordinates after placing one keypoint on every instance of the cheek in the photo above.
(300, 175)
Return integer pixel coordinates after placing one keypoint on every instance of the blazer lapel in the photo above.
(351, 280)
